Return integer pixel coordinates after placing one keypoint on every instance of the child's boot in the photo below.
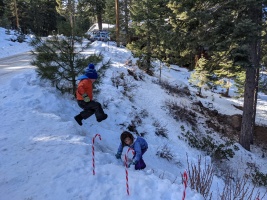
(79, 119)
(105, 116)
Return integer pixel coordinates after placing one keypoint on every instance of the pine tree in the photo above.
(4, 20)
(40, 17)
(83, 18)
(95, 8)
(124, 19)
(60, 60)
(34, 16)
(199, 77)
(148, 19)
(231, 27)
(66, 8)
(109, 15)
(2, 8)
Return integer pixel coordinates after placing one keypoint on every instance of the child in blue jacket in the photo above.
(139, 145)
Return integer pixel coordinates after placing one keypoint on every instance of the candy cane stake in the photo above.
(93, 152)
(185, 178)
(126, 169)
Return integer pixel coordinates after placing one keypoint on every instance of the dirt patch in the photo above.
(260, 136)
(230, 126)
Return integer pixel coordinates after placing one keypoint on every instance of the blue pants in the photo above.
(141, 163)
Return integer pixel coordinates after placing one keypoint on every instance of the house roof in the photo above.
(105, 26)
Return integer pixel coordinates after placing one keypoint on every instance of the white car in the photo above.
(99, 35)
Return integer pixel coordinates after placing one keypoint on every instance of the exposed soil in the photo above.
(261, 136)
(230, 126)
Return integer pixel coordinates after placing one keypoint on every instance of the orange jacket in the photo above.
(84, 86)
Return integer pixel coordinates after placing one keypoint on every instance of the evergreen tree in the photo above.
(199, 77)
(66, 8)
(109, 12)
(124, 19)
(60, 61)
(94, 8)
(187, 22)
(148, 18)
(42, 17)
(59, 58)
(11, 12)
(34, 16)
(83, 18)
(2, 8)
(4, 20)
(233, 28)
(223, 70)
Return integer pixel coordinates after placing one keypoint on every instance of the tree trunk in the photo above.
(256, 55)
(255, 104)
(117, 22)
(126, 19)
(16, 14)
(246, 126)
(99, 21)
(251, 82)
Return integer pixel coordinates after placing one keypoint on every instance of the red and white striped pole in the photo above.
(185, 178)
(126, 168)
(93, 152)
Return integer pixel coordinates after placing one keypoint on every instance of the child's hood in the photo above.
(82, 77)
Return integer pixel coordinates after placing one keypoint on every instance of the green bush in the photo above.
(258, 178)
(208, 145)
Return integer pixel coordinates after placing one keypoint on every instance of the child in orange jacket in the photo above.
(84, 95)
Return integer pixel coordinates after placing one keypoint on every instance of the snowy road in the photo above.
(12, 64)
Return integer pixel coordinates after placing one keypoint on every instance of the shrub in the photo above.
(239, 189)
(210, 146)
(200, 179)
(144, 113)
(165, 152)
(175, 89)
(160, 131)
(181, 113)
(121, 80)
(258, 178)
(135, 122)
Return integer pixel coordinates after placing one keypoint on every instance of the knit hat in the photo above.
(91, 73)
(91, 66)
(124, 135)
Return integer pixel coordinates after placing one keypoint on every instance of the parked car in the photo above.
(99, 35)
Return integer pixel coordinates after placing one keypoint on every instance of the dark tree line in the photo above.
(32, 16)
(41, 17)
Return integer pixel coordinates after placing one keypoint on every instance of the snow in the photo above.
(9, 48)
(46, 155)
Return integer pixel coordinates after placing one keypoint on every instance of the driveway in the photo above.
(14, 64)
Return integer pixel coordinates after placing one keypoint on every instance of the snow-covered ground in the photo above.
(46, 155)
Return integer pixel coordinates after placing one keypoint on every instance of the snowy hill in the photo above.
(46, 155)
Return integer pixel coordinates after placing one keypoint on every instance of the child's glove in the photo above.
(85, 97)
(118, 155)
(131, 163)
